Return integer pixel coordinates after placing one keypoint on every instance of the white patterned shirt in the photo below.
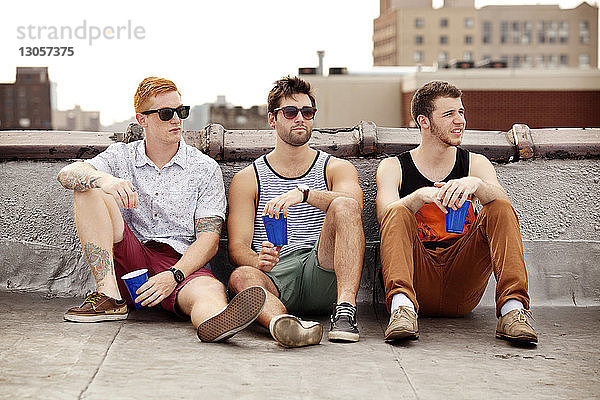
(190, 186)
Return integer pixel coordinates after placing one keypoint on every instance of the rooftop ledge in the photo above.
(363, 140)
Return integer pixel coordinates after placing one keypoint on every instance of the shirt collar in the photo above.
(180, 158)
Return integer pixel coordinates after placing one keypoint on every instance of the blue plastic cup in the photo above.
(455, 220)
(134, 280)
(276, 229)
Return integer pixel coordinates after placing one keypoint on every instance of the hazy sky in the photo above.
(232, 47)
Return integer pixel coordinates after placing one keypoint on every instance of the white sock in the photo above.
(510, 305)
(400, 299)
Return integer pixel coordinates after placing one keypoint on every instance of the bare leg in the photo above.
(99, 224)
(201, 298)
(342, 246)
(245, 277)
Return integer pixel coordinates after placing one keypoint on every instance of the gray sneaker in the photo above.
(290, 331)
(343, 324)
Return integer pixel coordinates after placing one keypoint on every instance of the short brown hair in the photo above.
(151, 87)
(288, 87)
(424, 97)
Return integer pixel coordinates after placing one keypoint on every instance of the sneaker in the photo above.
(241, 311)
(290, 331)
(515, 326)
(98, 307)
(343, 324)
(403, 324)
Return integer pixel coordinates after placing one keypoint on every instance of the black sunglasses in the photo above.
(290, 112)
(165, 114)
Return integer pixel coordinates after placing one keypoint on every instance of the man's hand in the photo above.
(158, 288)
(268, 256)
(430, 195)
(455, 192)
(122, 190)
(282, 202)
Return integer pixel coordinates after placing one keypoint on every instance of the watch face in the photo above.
(178, 275)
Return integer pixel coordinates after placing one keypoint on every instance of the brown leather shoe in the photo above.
(98, 307)
(403, 324)
(515, 326)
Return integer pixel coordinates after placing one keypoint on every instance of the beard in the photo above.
(295, 139)
(444, 137)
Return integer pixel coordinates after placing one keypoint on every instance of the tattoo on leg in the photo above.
(99, 261)
(209, 224)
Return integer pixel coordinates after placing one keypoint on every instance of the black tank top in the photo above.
(431, 220)
(412, 179)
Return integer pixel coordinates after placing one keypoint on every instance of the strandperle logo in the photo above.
(89, 33)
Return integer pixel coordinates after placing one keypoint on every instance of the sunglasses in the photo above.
(165, 114)
(290, 112)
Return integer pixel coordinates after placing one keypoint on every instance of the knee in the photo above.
(88, 195)
(241, 278)
(397, 212)
(499, 207)
(346, 209)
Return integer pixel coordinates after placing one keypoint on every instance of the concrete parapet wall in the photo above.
(557, 201)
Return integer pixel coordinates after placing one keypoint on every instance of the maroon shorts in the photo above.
(130, 254)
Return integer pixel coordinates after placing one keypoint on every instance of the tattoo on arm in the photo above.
(77, 181)
(99, 261)
(209, 224)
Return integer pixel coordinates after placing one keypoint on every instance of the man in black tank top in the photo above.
(321, 198)
(426, 269)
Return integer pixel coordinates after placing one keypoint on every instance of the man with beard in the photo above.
(320, 266)
(425, 269)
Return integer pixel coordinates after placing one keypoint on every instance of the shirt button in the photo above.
(156, 194)
(160, 173)
(156, 215)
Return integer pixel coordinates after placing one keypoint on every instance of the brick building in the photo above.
(494, 99)
(25, 104)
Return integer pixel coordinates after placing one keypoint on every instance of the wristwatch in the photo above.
(177, 274)
(304, 189)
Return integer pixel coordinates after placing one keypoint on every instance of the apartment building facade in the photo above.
(25, 104)
(412, 32)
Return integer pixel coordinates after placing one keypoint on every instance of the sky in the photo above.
(235, 48)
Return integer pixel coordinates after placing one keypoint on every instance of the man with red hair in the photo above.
(159, 204)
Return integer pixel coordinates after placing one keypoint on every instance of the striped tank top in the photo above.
(304, 221)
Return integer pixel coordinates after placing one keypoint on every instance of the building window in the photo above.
(584, 32)
(419, 23)
(487, 32)
(563, 32)
(468, 39)
(527, 61)
(516, 32)
(468, 56)
(418, 56)
(526, 37)
(564, 60)
(443, 39)
(516, 61)
(552, 61)
(444, 22)
(419, 39)
(504, 58)
(504, 32)
(553, 32)
(540, 61)
(469, 22)
(541, 32)
(584, 60)
(442, 56)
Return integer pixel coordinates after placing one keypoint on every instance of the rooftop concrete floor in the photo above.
(152, 355)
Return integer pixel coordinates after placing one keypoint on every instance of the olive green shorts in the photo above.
(304, 287)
